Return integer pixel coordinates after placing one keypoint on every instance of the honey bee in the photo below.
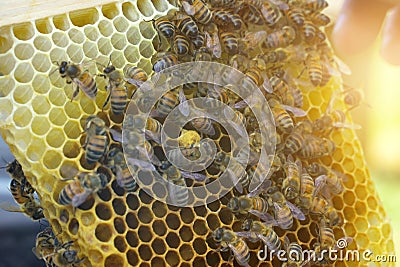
(284, 211)
(291, 184)
(309, 31)
(192, 153)
(204, 125)
(226, 19)
(96, 139)
(178, 195)
(304, 200)
(315, 5)
(216, 92)
(21, 192)
(199, 40)
(326, 236)
(46, 243)
(181, 44)
(320, 19)
(275, 56)
(165, 27)
(282, 118)
(74, 73)
(257, 206)
(230, 42)
(237, 171)
(315, 147)
(296, 139)
(187, 26)
(294, 252)
(31, 208)
(153, 130)
(332, 182)
(316, 169)
(352, 97)
(320, 206)
(229, 240)
(77, 191)
(63, 256)
(332, 119)
(117, 92)
(314, 67)
(199, 10)
(169, 101)
(296, 16)
(226, 3)
(251, 14)
(14, 169)
(213, 43)
(280, 38)
(165, 60)
(256, 230)
(135, 75)
(271, 12)
(124, 178)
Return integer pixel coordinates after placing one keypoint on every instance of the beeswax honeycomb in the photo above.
(43, 128)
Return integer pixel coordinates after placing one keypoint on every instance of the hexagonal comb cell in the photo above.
(117, 228)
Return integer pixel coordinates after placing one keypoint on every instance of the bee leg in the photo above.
(302, 72)
(106, 102)
(75, 93)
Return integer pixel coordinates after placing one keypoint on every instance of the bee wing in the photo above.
(244, 234)
(184, 105)
(254, 38)
(343, 67)
(261, 187)
(141, 164)
(297, 213)
(78, 199)
(214, 44)
(9, 207)
(134, 82)
(320, 182)
(282, 5)
(235, 180)
(262, 216)
(81, 85)
(266, 84)
(266, 241)
(298, 112)
(236, 126)
(189, 9)
(237, 253)
(116, 136)
(153, 136)
(347, 125)
(241, 104)
(195, 176)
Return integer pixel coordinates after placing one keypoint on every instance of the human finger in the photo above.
(358, 25)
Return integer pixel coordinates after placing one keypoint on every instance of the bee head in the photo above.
(70, 256)
(246, 225)
(63, 67)
(218, 234)
(109, 69)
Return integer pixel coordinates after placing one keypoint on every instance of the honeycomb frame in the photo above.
(43, 129)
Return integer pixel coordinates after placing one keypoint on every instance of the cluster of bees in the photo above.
(259, 38)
